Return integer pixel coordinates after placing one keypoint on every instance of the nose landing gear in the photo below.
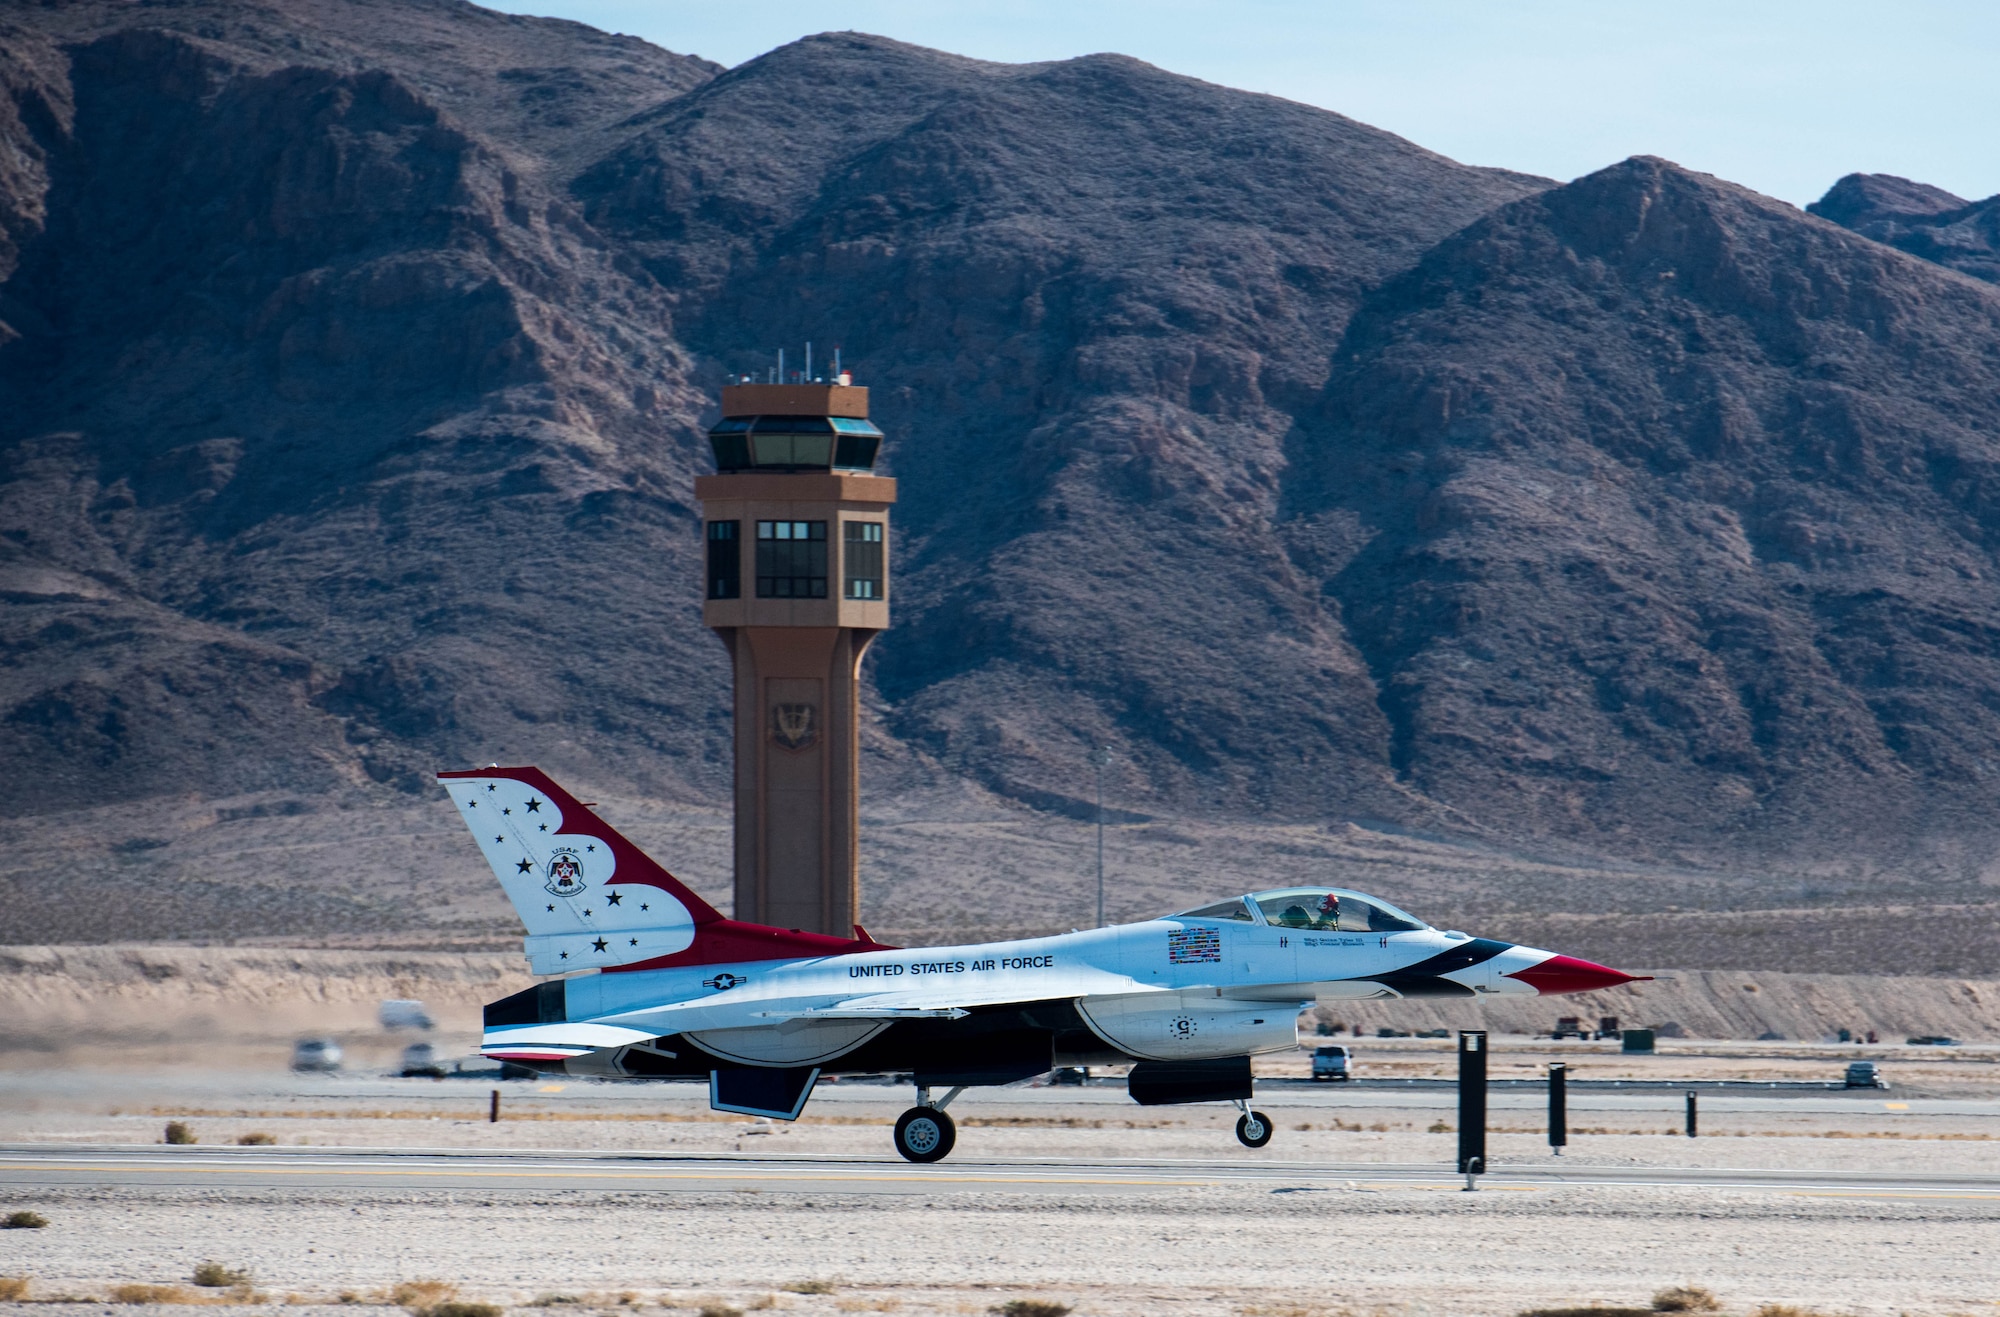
(1253, 1128)
(924, 1133)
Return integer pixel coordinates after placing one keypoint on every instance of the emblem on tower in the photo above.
(794, 726)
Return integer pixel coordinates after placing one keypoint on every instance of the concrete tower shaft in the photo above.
(797, 585)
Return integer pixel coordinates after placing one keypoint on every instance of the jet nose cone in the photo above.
(1561, 974)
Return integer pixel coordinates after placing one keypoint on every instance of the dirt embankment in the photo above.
(1724, 1004)
(64, 999)
(60, 999)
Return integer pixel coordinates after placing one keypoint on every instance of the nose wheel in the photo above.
(1253, 1128)
(925, 1134)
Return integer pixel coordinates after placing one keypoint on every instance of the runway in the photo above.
(374, 1170)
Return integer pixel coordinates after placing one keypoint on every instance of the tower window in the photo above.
(864, 559)
(725, 560)
(791, 560)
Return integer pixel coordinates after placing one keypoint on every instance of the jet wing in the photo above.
(946, 996)
(953, 1000)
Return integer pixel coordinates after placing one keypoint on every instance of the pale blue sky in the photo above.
(1781, 95)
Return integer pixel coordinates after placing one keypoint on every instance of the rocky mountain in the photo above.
(354, 359)
(1920, 219)
(1662, 508)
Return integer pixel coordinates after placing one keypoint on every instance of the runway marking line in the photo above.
(607, 1175)
(869, 1175)
(1924, 1194)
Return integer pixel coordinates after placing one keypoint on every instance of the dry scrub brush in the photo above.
(14, 1289)
(437, 1298)
(152, 1294)
(1675, 1299)
(24, 1220)
(213, 1275)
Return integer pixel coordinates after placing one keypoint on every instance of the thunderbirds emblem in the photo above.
(794, 726)
(565, 873)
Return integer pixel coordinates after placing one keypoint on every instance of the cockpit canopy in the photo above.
(1314, 909)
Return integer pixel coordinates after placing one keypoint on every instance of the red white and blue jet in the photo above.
(656, 983)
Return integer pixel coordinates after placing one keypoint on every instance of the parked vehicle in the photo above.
(420, 1061)
(1933, 1040)
(1332, 1063)
(1863, 1074)
(405, 1014)
(321, 1055)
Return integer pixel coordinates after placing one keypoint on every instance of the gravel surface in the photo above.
(1196, 1251)
(1396, 1251)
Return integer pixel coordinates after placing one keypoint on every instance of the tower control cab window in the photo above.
(791, 560)
(863, 559)
(725, 560)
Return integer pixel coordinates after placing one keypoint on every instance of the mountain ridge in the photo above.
(355, 384)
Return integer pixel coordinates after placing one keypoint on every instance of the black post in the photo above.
(493, 1110)
(1558, 1106)
(1691, 1129)
(1471, 1104)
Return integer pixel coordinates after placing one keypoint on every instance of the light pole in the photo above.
(1099, 755)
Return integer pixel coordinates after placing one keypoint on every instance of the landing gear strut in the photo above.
(1253, 1128)
(924, 1133)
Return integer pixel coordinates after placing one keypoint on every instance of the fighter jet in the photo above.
(657, 984)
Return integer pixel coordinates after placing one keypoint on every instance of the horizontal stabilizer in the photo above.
(556, 1042)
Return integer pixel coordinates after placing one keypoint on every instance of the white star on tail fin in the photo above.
(589, 897)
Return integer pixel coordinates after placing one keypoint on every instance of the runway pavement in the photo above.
(404, 1170)
(23, 1087)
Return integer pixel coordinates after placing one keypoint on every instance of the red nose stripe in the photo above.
(1561, 974)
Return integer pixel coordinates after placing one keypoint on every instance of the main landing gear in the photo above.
(1253, 1128)
(924, 1133)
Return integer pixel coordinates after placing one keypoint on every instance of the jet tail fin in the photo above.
(588, 897)
(593, 900)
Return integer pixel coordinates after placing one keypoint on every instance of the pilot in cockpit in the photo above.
(1327, 919)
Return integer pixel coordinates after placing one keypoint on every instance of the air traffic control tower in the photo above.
(797, 539)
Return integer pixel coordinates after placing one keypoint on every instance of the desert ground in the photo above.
(1357, 1213)
(1337, 1227)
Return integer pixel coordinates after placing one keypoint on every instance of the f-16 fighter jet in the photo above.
(679, 991)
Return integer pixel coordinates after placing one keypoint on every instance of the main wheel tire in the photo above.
(925, 1134)
(1253, 1130)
